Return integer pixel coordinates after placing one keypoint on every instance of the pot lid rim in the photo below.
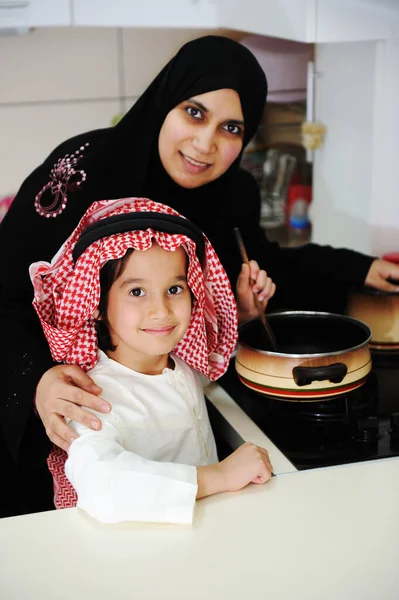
(361, 324)
(315, 355)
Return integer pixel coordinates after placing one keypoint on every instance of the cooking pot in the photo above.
(319, 355)
(380, 311)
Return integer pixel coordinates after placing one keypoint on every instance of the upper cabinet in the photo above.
(286, 65)
(196, 14)
(287, 19)
(150, 13)
(298, 20)
(313, 20)
(20, 14)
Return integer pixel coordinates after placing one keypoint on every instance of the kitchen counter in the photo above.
(330, 534)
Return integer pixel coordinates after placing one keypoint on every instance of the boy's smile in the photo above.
(159, 330)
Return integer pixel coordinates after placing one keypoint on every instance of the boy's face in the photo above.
(149, 308)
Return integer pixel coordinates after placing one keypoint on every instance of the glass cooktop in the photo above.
(362, 425)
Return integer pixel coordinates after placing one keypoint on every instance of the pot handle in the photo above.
(305, 375)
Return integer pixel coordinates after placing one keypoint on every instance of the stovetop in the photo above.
(362, 425)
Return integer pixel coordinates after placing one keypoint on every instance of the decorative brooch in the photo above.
(64, 178)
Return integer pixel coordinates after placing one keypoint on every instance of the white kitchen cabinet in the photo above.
(20, 14)
(299, 20)
(285, 63)
(288, 19)
(313, 20)
(151, 13)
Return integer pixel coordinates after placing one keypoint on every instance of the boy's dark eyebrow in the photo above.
(131, 281)
(134, 281)
(206, 110)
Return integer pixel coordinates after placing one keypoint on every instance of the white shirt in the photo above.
(141, 465)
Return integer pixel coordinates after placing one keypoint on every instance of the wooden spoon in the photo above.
(267, 329)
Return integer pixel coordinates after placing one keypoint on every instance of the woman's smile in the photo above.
(194, 166)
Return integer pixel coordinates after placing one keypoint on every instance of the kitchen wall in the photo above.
(58, 82)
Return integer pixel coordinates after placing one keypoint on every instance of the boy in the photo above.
(145, 285)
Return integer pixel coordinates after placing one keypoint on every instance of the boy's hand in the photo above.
(252, 280)
(248, 464)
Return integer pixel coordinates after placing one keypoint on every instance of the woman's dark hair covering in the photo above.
(128, 158)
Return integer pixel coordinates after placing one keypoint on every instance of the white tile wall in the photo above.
(59, 64)
(58, 82)
(29, 133)
(142, 61)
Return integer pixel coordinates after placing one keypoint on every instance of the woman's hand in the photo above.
(61, 392)
(252, 280)
(379, 272)
(248, 464)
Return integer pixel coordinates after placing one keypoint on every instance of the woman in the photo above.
(179, 145)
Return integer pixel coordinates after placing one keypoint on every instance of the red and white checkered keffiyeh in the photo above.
(66, 296)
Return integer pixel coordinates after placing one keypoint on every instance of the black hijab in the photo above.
(128, 161)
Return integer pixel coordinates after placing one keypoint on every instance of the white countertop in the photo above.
(325, 534)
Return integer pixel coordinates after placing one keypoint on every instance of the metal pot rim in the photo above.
(316, 314)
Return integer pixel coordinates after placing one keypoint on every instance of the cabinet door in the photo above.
(288, 19)
(356, 20)
(149, 13)
(34, 13)
(313, 20)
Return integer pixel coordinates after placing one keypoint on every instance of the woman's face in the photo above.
(201, 137)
